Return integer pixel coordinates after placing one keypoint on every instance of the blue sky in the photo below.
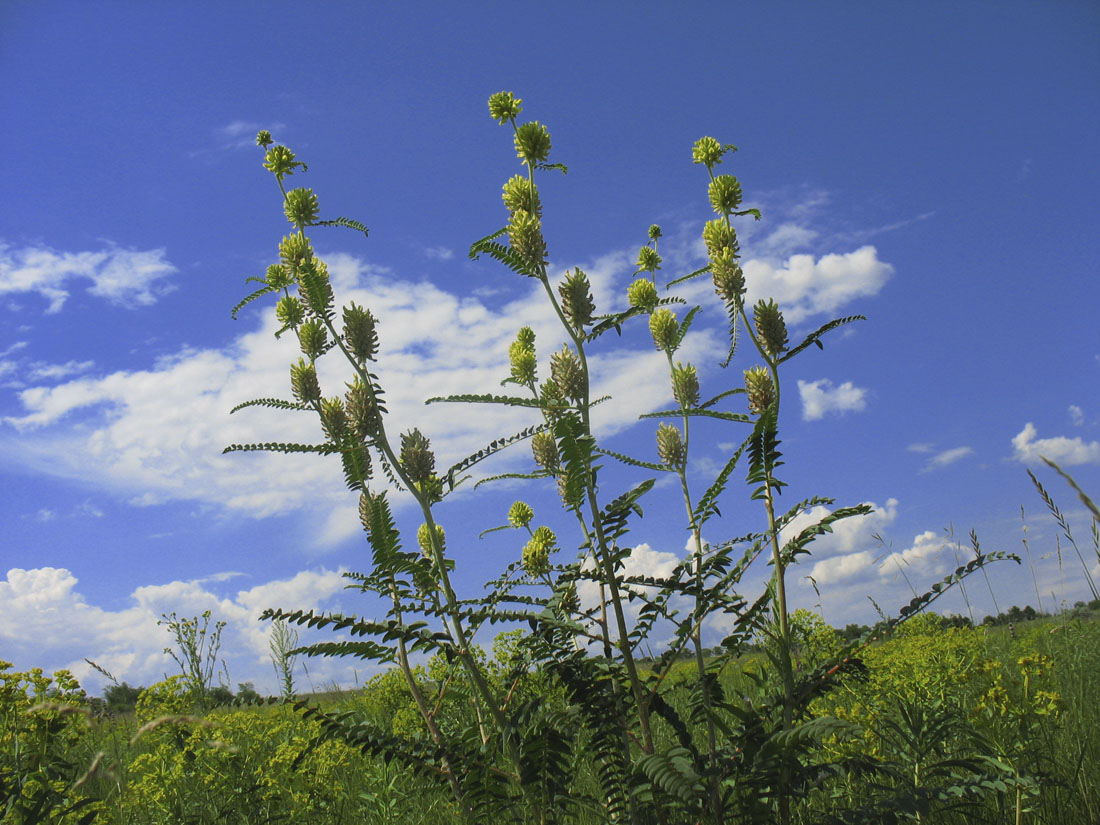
(931, 167)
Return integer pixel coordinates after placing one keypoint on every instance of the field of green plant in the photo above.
(598, 708)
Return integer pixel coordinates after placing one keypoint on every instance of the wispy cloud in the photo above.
(821, 397)
(439, 253)
(40, 371)
(1076, 415)
(1065, 451)
(946, 457)
(127, 277)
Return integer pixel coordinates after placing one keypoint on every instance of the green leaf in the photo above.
(699, 412)
(688, 277)
(264, 290)
(815, 336)
(634, 462)
(347, 222)
(274, 403)
(506, 400)
(280, 447)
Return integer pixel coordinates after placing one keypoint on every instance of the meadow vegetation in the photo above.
(573, 717)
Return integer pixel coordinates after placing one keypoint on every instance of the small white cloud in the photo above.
(1076, 415)
(241, 134)
(821, 397)
(127, 277)
(45, 515)
(439, 253)
(942, 459)
(1062, 450)
(921, 448)
(40, 371)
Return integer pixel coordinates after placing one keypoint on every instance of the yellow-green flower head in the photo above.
(770, 327)
(424, 539)
(532, 143)
(642, 293)
(536, 553)
(566, 373)
(280, 161)
(523, 361)
(362, 411)
(263, 138)
(725, 194)
(729, 279)
(303, 382)
(521, 193)
(707, 151)
(719, 236)
(685, 385)
(576, 299)
(654, 232)
(664, 328)
(314, 288)
(301, 207)
(648, 259)
(357, 464)
(294, 250)
(278, 277)
(545, 450)
(670, 445)
(360, 332)
(334, 420)
(760, 389)
(551, 396)
(289, 311)
(570, 602)
(520, 514)
(313, 338)
(366, 511)
(417, 457)
(527, 336)
(525, 236)
(570, 499)
(504, 106)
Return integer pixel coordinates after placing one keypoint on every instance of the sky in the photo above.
(931, 167)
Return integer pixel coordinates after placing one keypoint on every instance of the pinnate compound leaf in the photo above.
(815, 336)
(259, 293)
(345, 222)
(273, 403)
(280, 447)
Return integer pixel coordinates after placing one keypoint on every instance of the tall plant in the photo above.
(575, 727)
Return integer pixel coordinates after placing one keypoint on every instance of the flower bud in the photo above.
(664, 328)
(314, 288)
(569, 499)
(313, 338)
(300, 207)
(525, 236)
(523, 361)
(526, 335)
(761, 391)
(263, 138)
(279, 160)
(718, 236)
(654, 232)
(424, 539)
(725, 194)
(520, 514)
(334, 420)
(545, 450)
(417, 457)
(278, 277)
(770, 327)
(685, 385)
(570, 601)
(642, 293)
(648, 259)
(576, 299)
(707, 151)
(294, 250)
(363, 415)
(729, 279)
(670, 445)
(566, 372)
(503, 106)
(289, 311)
(521, 193)
(532, 143)
(360, 332)
(303, 382)
(536, 553)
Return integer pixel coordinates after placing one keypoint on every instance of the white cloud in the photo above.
(923, 447)
(41, 371)
(439, 253)
(128, 277)
(46, 618)
(821, 397)
(1061, 450)
(946, 457)
(1076, 415)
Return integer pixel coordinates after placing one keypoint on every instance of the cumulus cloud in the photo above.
(127, 277)
(821, 397)
(1059, 449)
(47, 618)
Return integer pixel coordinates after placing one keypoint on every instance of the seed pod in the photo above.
(521, 193)
(303, 382)
(685, 385)
(576, 299)
(670, 445)
(423, 538)
(545, 450)
(525, 236)
(363, 415)
(761, 390)
(770, 327)
(718, 236)
(648, 259)
(417, 457)
(642, 293)
(532, 142)
(289, 311)
(566, 373)
(664, 328)
(360, 332)
(313, 338)
(729, 280)
(725, 194)
(301, 207)
(520, 514)
(536, 553)
(334, 420)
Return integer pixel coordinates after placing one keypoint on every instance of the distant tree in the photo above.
(246, 692)
(122, 698)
